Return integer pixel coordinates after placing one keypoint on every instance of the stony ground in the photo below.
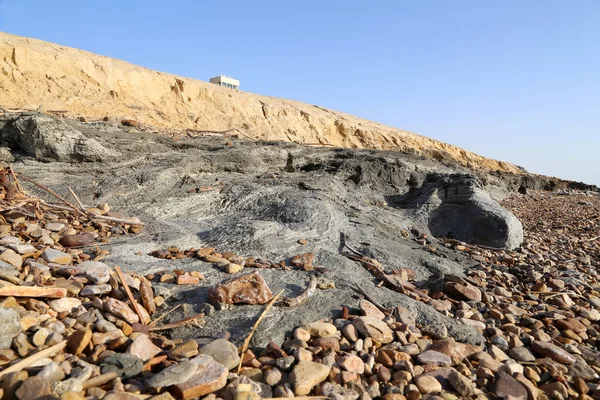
(385, 311)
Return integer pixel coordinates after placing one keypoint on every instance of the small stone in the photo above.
(245, 289)
(352, 363)
(185, 350)
(374, 328)
(124, 365)
(11, 326)
(223, 352)
(95, 290)
(143, 348)
(427, 384)
(350, 332)
(320, 329)
(97, 272)
(39, 338)
(465, 292)
(121, 310)
(546, 349)
(522, 354)
(66, 304)
(57, 257)
(303, 261)
(369, 309)
(173, 375)
(11, 257)
(505, 386)
(302, 334)
(77, 240)
(306, 375)
(55, 226)
(187, 280)
(209, 377)
(435, 358)
(233, 268)
(52, 372)
(79, 340)
(34, 388)
(457, 351)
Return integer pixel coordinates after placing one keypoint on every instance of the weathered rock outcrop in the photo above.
(40, 75)
(47, 138)
(456, 206)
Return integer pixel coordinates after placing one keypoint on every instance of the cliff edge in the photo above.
(39, 75)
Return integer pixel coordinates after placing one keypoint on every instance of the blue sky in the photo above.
(516, 80)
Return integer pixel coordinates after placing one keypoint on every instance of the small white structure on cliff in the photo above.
(226, 81)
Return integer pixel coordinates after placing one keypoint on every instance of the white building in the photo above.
(226, 81)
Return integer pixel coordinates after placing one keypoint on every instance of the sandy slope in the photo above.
(36, 74)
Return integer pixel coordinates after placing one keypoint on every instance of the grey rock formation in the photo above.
(47, 138)
(265, 197)
(456, 206)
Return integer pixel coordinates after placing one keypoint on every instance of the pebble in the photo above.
(306, 375)
(209, 377)
(546, 349)
(320, 329)
(11, 326)
(427, 384)
(374, 328)
(56, 257)
(143, 348)
(223, 352)
(66, 304)
(173, 375)
(120, 309)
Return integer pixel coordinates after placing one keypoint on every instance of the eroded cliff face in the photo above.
(40, 75)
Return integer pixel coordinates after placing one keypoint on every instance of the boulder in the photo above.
(49, 139)
(461, 209)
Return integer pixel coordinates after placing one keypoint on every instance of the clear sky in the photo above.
(516, 80)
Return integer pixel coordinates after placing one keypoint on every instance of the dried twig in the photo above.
(12, 173)
(53, 193)
(129, 221)
(77, 199)
(255, 326)
(32, 359)
(345, 244)
(302, 297)
(148, 328)
(33, 291)
(165, 314)
(129, 294)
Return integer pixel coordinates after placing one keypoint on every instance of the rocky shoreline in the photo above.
(323, 261)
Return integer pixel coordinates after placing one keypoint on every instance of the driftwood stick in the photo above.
(254, 327)
(129, 294)
(165, 314)
(129, 221)
(99, 380)
(16, 180)
(26, 362)
(302, 297)
(33, 291)
(147, 328)
(53, 193)
(77, 199)
(345, 244)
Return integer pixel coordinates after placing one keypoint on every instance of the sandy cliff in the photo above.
(36, 74)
